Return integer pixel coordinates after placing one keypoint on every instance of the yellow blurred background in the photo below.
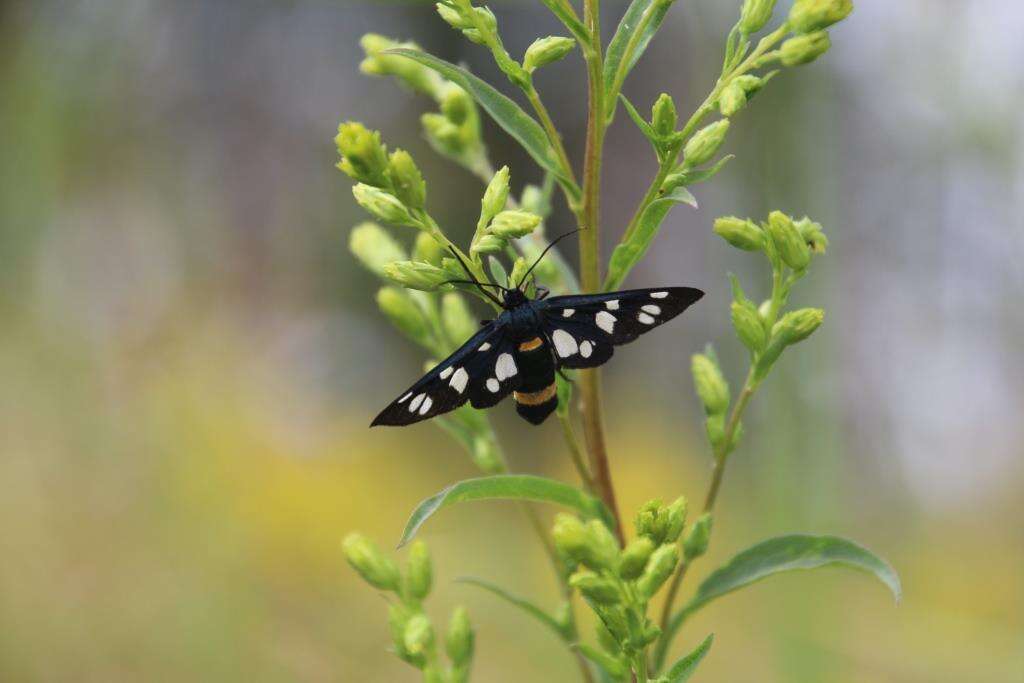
(189, 357)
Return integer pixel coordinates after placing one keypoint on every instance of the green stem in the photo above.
(575, 451)
(588, 218)
(572, 190)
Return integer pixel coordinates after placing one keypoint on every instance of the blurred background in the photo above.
(189, 356)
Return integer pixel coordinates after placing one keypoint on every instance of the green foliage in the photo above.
(617, 579)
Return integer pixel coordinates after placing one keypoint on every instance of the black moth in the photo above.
(520, 351)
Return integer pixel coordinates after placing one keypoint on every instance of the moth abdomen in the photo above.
(535, 406)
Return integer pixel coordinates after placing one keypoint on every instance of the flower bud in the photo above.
(363, 156)
(406, 179)
(416, 275)
(714, 426)
(546, 50)
(456, 104)
(458, 322)
(495, 196)
(514, 224)
(696, 543)
(753, 84)
(534, 201)
(427, 249)
(398, 618)
(663, 115)
(374, 247)
(418, 571)
(402, 311)
(747, 323)
(704, 143)
(412, 73)
(634, 557)
(519, 269)
(433, 675)
(804, 49)
(755, 14)
(382, 205)
(740, 233)
(599, 589)
(661, 565)
(453, 17)
(604, 547)
(791, 245)
(732, 100)
(798, 325)
(443, 135)
(488, 244)
(711, 386)
(647, 523)
(675, 515)
(460, 638)
(419, 635)
(813, 235)
(807, 16)
(570, 536)
(379, 571)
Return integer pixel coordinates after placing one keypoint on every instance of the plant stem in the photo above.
(588, 218)
(726, 445)
(554, 138)
(575, 452)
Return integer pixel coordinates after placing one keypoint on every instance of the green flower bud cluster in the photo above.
(412, 632)
(479, 25)
(739, 91)
(544, 51)
(754, 15)
(713, 391)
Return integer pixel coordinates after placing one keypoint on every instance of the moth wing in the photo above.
(493, 372)
(446, 387)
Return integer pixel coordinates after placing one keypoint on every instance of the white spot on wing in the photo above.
(586, 348)
(493, 386)
(565, 345)
(612, 305)
(485, 346)
(416, 402)
(459, 380)
(405, 398)
(606, 321)
(447, 372)
(567, 313)
(651, 308)
(659, 295)
(427, 402)
(645, 319)
(505, 367)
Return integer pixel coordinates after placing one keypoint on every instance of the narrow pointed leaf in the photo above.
(782, 554)
(520, 602)
(644, 127)
(569, 19)
(684, 668)
(628, 253)
(616, 57)
(507, 487)
(509, 115)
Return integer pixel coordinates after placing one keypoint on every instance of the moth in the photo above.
(520, 351)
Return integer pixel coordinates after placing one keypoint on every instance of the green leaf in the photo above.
(684, 668)
(694, 176)
(609, 666)
(507, 487)
(781, 554)
(616, 52)
(628, 253)
(520, 602)
(498, 272)
(644, 127)
(569, 19)
(509, 115)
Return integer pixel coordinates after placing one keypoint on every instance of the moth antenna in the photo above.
(544, 253)
(473, 280)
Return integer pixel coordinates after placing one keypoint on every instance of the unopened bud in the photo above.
(732, 100)
(647, 523)
(456, 104)
(755, 14)
(799, 325)
(812, 15)
(791, 245)
(382, 205)
(488, 244)
(410, 72)
(546, 50)
(416, 275)
(813, 235)
(570, 536)
(398, 618)
(711, 386)
(374, 247)
(419, 635)
(604, 547)
(599, 589)
(704, 143)
(747, 323)
(363, 156)
(740, 233)
(514, 224)
(534, 201)
(663, 115)
(418, 572)
(444, 135)
(379, 571)
(696, 543)
(634, 557)
(519, 269)
(406, 179)
(402, 311)
(675, 515)
(495, 196)
(753, 84)
(661, 565)
(714, 426)
(460, 638)
(453, 17)
(427, 249)
(804, 49)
